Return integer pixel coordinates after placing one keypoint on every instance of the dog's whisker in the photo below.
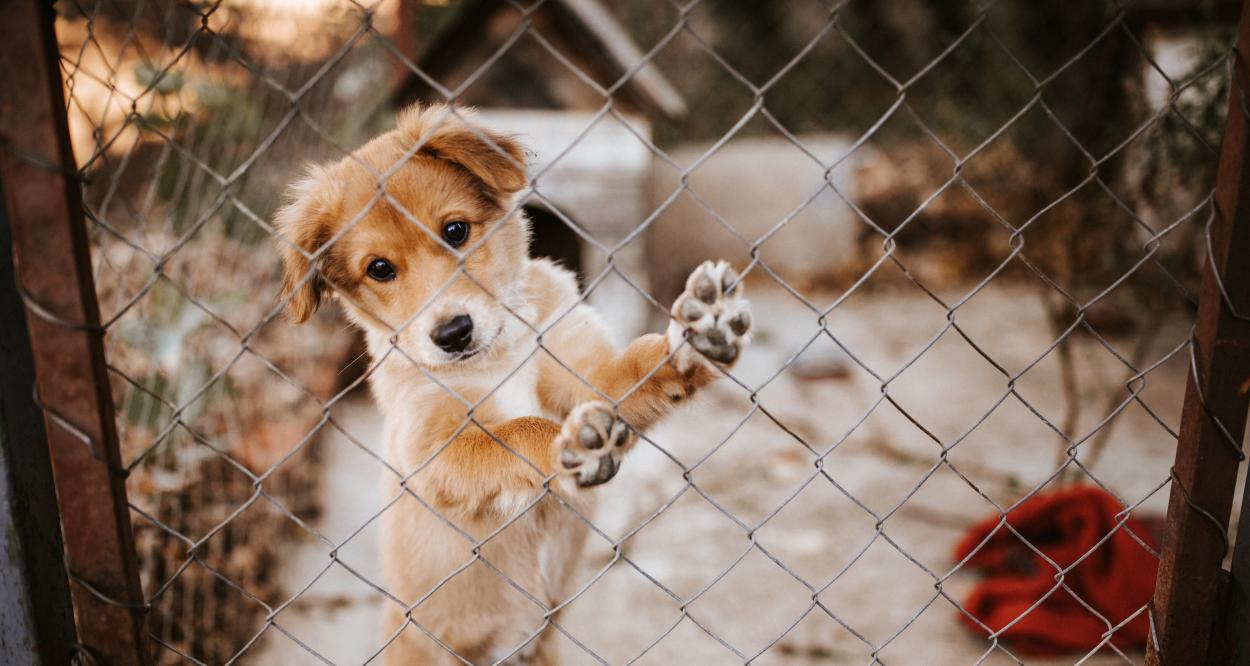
(353, 361)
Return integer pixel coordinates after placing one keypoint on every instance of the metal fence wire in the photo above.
(993, 162)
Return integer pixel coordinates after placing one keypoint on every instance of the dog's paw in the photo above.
(591, 443)
(711, 316)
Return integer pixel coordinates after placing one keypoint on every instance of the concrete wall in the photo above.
(595, 173)
(753, 184)
(605, 179)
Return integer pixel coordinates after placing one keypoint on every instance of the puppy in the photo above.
(504, 400)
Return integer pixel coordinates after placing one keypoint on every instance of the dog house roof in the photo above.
(584, 33)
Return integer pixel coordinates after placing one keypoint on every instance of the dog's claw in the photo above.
(711, 316)
(591, 443)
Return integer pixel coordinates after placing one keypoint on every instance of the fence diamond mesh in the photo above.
(973, 261)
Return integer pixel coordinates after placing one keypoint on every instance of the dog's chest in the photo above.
(515, 393)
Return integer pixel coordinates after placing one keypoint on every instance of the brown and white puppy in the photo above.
(502, 395)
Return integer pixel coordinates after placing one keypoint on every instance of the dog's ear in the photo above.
(500, 166)
(304, 225)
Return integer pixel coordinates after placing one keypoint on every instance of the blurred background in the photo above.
(972, 234)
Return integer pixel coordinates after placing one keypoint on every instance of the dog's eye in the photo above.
(381, 270)
(456, 233)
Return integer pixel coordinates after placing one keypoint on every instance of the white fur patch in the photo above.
(511, 502)
(518, 395)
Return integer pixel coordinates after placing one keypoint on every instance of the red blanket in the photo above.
(1116, 579)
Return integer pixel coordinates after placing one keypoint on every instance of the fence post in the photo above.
(1184, 611)
(36, 615)
(53, 265)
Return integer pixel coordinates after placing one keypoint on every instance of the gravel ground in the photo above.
(751, 478)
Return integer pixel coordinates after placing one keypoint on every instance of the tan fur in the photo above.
(462, 471)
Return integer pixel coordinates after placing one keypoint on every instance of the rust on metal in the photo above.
(53, 266)
(1185, 605)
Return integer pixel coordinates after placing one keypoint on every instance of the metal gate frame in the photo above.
(1186, 613)
(52, 259)
(1200, 613)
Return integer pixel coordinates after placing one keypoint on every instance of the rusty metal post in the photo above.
(53, 263)
(36, 614)
(1185, 608)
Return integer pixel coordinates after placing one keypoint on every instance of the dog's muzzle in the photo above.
(454, 335)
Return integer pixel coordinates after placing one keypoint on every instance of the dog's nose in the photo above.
(454, 335)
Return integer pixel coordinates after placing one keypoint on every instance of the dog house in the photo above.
(590, 166)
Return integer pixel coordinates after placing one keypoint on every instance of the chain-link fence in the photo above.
(973, 236)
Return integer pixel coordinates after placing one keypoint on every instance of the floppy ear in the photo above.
(500, 166)
(303, 223)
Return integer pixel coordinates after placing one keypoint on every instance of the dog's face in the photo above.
(430, 259)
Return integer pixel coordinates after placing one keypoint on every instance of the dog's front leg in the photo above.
(711, 321)
(486, 469)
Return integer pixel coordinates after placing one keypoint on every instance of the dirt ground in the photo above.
(753, 483)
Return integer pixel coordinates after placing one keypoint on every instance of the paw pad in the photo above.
(711, 316)
(591, 443)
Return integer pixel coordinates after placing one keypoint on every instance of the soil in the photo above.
(725, 567)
